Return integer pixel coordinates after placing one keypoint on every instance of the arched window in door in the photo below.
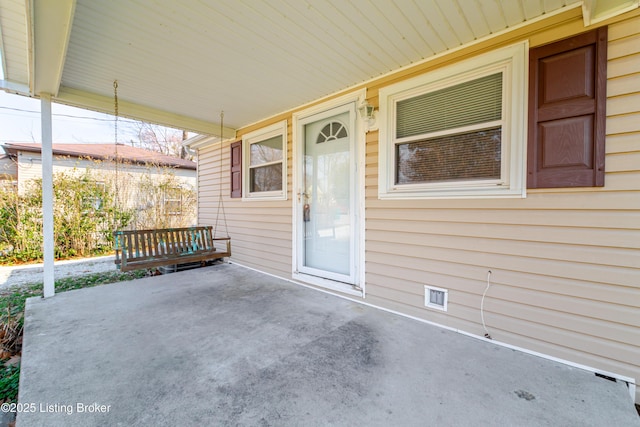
(332, 131)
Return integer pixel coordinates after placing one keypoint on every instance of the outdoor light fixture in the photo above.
(368, 114)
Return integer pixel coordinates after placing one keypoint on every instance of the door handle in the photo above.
(306, 212)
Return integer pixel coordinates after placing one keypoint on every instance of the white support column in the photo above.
(47, 193)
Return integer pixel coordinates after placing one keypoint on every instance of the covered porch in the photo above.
(225, 345)
(181, 63)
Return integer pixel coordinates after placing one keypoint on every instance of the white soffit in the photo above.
(15, 45)
(180, 62)
(254, 59)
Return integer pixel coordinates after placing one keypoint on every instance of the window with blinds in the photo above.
(451, 134)
(456, 131)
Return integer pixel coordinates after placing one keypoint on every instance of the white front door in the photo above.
(326, 200)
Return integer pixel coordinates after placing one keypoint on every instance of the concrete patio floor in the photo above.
(228, 346)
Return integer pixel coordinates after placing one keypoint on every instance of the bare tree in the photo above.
(161, 139)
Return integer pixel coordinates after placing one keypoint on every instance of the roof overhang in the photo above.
(200, 141)
(124, 153)
(179, 63)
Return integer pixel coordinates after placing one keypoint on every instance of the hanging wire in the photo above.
(220, 199)
(115, 140)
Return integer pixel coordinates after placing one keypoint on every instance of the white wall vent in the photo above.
(436, 298)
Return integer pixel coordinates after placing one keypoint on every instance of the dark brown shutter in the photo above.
(567, 98)
(236, 169)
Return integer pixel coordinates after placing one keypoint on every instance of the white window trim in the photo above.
(262, 134)
(512, 61)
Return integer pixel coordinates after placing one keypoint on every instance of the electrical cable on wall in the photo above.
(484, 294)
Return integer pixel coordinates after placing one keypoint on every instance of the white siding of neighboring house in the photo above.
(8, 169)
(565, 263)
(29, 167)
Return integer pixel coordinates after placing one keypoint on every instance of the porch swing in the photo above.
(142, 249)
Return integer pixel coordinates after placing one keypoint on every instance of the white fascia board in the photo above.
(201, 141)
(594, 11)
(17, 88)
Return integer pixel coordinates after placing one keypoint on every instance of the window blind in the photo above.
(469, 103)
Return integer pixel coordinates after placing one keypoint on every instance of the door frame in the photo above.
(298, 119)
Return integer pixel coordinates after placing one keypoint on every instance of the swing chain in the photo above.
(115, 140)
(220, 198)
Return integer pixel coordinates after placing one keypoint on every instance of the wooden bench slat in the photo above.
(140, 245)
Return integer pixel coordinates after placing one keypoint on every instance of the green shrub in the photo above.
(89, 205)
(9, 381)
(85, 213)
(21, 225)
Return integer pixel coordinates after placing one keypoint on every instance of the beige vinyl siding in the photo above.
(565, 263)
(260, 231)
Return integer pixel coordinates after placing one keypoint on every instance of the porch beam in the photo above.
(104, 104)
(52, 27)
(47, 193)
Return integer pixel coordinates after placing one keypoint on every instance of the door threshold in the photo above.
(345, 288)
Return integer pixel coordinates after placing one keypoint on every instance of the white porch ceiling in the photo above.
(180, 63)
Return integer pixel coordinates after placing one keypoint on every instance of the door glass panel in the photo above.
(327, 195)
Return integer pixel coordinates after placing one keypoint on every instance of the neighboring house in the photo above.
(135, 165)
(496, 191)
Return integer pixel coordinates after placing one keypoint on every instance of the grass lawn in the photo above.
(12, 302)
